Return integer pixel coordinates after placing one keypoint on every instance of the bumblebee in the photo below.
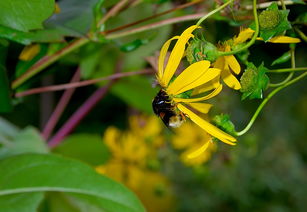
(163, 108)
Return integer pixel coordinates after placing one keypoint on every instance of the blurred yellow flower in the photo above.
(174, 100)
(131, 151)
(191, 139)
(29, 52)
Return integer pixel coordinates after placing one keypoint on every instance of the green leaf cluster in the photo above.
(254, 81)
(223, 121)
(272, 22)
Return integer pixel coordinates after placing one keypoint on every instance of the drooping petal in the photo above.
(243, 36)
(284, 39)
(199, 151)
(189, 80)
(211, 129)
(177, 54)
(188, 76)
(162, 58)
(213, 84)
(230, 80)
(209, 96)
(201, 107)
(219, 63)
(233, 64)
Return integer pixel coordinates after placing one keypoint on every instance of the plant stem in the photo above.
(155, 25)
(283, 70)
(292, 51)
(48, 60)
(267, 4)
(83, 110)
(276, 90)
(152, 17)
(82, 83)
(301, 34)
(60, 108)
(252, 41)
(213, 12)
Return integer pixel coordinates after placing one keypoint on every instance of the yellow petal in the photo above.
(201, 107)
(29, 52)
(192, 77)
(199, 151)
(162, 58)
(243, 36)
(187, 78)
(284, 39)
(219, 63)
(211, 129)
(209, 96)
(233, 64)
(230, 80)
(177, 54)
(213, 84)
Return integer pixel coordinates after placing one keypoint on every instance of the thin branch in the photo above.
(267, 4)
(155, 25)
(152, 17)
(83, 110)
(48, 60)
(60, 108)
(112, 12)
(82, 83)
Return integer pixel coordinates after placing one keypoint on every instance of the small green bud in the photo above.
(223, 121)
(201, 50)
(247, 79)
(269, 19)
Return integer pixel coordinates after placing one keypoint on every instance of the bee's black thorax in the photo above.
(163, 108)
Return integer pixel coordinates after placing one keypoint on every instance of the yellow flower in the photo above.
(246, 34)
(197, 76)
(193, 141)
(126, 146)
(29, 52)
(228, 65)
(153, 189)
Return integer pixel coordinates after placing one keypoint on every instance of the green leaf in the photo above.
(223, 121)
(254, 81)
(75, 18)
(25, 15)
(5, 97)
(7, 129)
(283, 58)
(21, 202)
(40, 173)
(128, 47)
(298, 1)
(272, 22)
(86, 147)
(135, 91)
(45, 35)
(91, 65)
(25, 141)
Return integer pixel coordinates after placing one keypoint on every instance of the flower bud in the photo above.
(269, 19)
(201, 50)
(247, 80)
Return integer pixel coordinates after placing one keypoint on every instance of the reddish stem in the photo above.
(54, 118)
(81, 84)
(74, 120)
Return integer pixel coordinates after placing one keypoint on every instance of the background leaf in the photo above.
(86, 147)
(67, 176)
(28, 140)
(25, 15)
